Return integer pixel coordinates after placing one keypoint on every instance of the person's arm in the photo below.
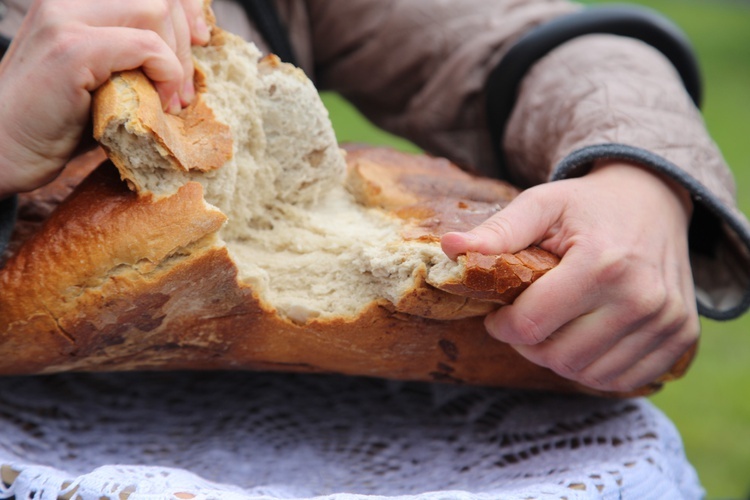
(631, 106)
(421, 70)
(629, 307)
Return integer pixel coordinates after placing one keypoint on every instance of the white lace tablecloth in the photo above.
(260, 436)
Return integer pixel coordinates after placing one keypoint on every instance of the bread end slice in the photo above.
(494, 278)
(150, 147)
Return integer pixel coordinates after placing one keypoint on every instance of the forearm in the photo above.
(603, 89)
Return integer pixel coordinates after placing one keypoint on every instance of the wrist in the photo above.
(14, 180)
(634, 175)
(23, 170)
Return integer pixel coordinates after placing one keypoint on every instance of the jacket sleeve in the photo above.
(418, 68)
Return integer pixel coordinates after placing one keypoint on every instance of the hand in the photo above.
(63, 51)
(619, 310)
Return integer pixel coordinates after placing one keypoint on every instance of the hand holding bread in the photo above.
(63, 51)
(620, 309)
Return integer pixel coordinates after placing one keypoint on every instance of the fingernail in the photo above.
(463, 236)
(174, 104)
(201, 30)
(468, 236)
(188, 91)
(492, 328)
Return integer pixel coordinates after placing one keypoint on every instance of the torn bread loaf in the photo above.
(250, 240)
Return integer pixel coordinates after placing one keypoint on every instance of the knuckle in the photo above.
(608, 383)
(50, 26)
(683, 340)
(50, 12)
(671, 315)
(593, 381)
(564, 368)
(622, 385)
(613, 265)
(526, 330)
(652, 301)
(678, 319)
(151, 14)
(66, 46)
(160, 11)
(536, 194)
(151, 42)
(499, 226)
(693, 326)
(194, 7)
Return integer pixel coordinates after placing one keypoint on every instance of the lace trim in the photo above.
(247, 435)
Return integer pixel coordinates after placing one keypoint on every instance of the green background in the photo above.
(710, 406)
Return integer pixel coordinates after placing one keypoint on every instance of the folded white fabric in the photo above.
(259, 436)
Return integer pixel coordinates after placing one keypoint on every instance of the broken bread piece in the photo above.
(250, 240)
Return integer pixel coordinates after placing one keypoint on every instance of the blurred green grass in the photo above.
(710, 406)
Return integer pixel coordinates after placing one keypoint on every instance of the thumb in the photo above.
(524, 221)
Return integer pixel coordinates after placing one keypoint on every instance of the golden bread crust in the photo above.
(99, 230)
(500, 278)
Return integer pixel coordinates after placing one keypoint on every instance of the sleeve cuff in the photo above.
(719, 234)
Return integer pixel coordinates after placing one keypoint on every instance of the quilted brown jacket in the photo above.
(418, 68)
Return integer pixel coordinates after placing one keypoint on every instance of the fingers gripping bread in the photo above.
(249, 240)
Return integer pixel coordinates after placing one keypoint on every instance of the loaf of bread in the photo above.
(239, 235)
